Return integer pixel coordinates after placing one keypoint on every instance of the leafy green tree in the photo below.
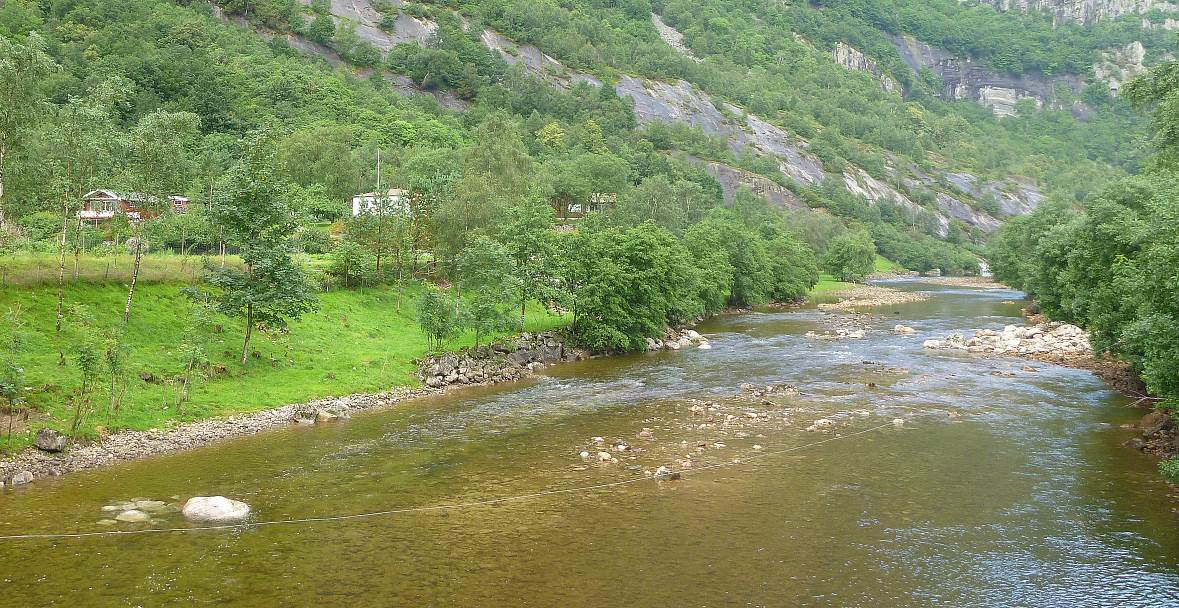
(532, 245)
(12, 374)
(436, 316)
(161, 168)
(485, 275)
(851, 256)
(23, 68)
(350, 264)
(270, 289)
(194, 348)
(627, 285)
(75, 150)
(322, 29)
(793, 266)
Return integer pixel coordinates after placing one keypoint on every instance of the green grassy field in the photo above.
(828, 283)
(883, 264)
(29, 269)
(356, 342)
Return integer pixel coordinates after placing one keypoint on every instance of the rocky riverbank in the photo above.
(1069, 345)
(32, 463)
(500, 362)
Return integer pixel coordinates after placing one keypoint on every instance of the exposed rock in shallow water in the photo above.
(215, 509)
(1048, 340)
(133, 516)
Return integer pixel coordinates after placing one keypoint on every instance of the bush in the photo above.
(314, 240)
(1170, 469)
(851, 256)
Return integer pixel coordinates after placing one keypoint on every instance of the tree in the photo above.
(193, 348)
(495, 175)
(12, 373)
(627, 285)
(82, 337)
(436, 316)
(161, 168)
(851, 256)
(531, 243)
(322, 29)
(270, 290)
(75, 150)
(349, 263)
(23, 68)
(485, 275)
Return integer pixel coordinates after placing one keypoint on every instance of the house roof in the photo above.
(111, 195)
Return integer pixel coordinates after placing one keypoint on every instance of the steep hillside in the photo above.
(862, 142)
(849, 107)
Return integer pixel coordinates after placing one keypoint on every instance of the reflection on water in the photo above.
(1005, 487)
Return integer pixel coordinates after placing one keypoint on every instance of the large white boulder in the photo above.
(216, 509)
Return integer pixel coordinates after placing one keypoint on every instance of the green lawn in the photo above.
(28, 269)
(883, 264)
(356, 342)
(828, 283)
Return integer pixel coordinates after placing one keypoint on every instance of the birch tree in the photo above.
(161, 168)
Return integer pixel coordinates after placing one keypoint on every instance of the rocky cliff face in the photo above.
(1119, 66)
(681, 102)
(964, 78)
(733, 179)
(1084, 12)
(852, 59)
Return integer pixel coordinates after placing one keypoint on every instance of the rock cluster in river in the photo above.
(675, 340)
(1049, 341)
(498, 362)
(1160, 434)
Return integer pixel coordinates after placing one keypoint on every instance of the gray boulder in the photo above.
(21, 478)
(50, 440)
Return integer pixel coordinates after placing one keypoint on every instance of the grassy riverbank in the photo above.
(357, 341)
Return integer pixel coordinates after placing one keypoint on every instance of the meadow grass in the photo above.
(883, 264)
(828, 283)
(357, 341)
(29, 269)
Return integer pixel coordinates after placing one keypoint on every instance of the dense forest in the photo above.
(1112, 263)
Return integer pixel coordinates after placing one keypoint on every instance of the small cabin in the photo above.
(392, 202)
(101, 206)
(598, 202)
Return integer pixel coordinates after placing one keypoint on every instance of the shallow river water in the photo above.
(1004, 487)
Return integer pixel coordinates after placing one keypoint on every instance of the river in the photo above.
(1004, 487)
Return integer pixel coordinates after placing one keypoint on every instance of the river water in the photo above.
(1003, 487)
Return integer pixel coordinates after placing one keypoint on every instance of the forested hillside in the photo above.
(755, 92)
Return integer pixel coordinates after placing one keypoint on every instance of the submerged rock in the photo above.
(665, 474)
(133, 516)
(215, 509)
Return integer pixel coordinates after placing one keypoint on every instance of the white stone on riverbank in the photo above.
(215, 509)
